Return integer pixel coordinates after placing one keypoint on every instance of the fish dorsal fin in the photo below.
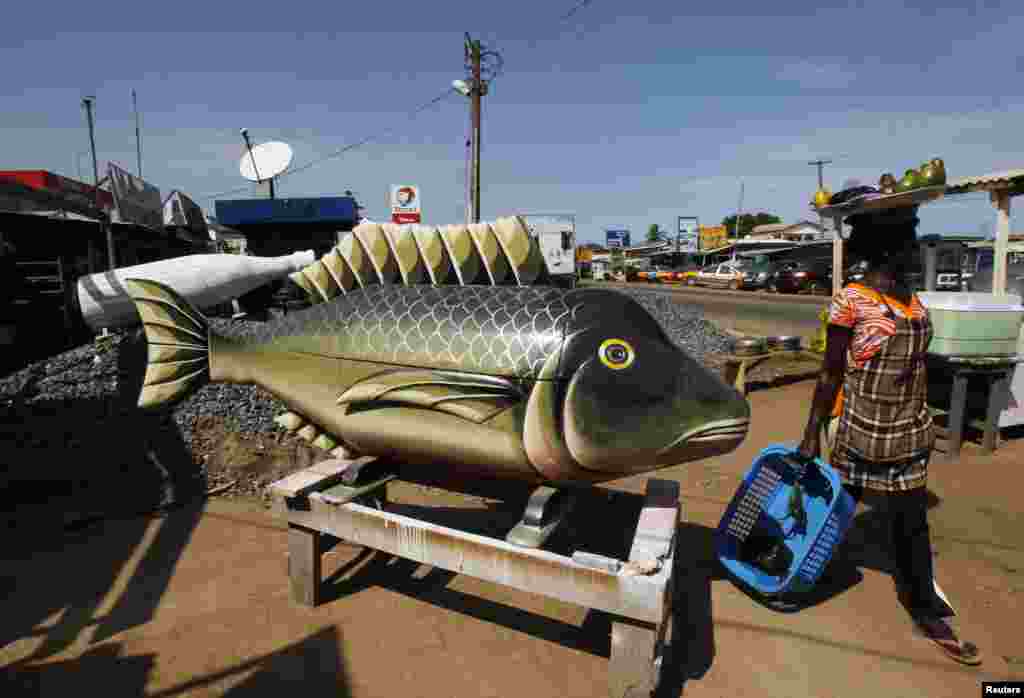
(406, 253)
(472, 397)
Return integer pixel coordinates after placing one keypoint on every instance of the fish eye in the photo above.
(616, 354)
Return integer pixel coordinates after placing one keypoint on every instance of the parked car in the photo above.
(810, 276)
(947, 280)
(855, 272)
(675, 276)
(725, 275)
(760, 276)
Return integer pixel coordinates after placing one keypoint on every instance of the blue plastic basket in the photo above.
(762, 502)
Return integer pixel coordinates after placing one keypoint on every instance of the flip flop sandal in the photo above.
(957, 650)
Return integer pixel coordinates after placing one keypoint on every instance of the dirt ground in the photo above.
(195, 602)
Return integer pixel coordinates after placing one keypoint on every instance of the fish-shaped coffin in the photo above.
(532, 383)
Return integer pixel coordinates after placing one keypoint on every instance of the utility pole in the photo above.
(821, 182)
(820, 164)
(739, 212)
(104, 223)
(138, 135)
(483, 66)
(478, 89)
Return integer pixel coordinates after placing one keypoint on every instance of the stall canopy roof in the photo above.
(1011, 178)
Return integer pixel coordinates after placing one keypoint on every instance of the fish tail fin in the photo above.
(178, 339)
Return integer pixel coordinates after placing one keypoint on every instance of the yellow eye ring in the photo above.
(616, 354)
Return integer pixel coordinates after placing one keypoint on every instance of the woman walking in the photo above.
(871, 400)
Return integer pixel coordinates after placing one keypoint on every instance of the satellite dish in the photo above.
(265, 161)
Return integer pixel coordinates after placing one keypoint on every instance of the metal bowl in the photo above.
(749, 346)
(788, 342)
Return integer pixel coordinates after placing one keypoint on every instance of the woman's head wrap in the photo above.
(876, 236)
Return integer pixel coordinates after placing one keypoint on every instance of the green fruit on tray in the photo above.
(911, 180)
(928, 175)
(887, 183)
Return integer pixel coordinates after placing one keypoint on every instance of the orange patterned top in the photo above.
(863, 310)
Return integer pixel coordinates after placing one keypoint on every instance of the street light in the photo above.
(462, 87)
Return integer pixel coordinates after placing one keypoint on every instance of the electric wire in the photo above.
(491, 62)
(341, 151)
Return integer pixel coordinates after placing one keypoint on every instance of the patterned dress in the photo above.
(883, 431)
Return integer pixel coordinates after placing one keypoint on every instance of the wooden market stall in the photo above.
(1001, 187)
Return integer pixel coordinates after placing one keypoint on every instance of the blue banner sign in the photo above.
(617, 238)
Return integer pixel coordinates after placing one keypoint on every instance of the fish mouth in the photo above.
(722, 430)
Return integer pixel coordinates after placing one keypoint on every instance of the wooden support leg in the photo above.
(957, 408)
(741, 378)
(635, 665)
(304, 559)
(730, 372)
(630, 669)
(999, 387)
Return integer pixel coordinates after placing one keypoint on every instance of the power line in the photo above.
(341, 151)
(495, 70)
(574, 10)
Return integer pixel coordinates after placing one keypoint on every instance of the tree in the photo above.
(654, 233)
(748, 222)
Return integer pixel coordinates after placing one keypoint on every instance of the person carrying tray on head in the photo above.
(870, 404)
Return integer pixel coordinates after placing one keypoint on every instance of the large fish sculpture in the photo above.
(537, 384)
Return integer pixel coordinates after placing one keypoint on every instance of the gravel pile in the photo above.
(73, 418)
(684, 324)
(110, 371)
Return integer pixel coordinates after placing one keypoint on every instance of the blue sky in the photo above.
(624, 114)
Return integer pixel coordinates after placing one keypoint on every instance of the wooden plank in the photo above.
(318, 475)
(659, 519)
(1001, 200)
(641, 597)
(304, 561)
(838, 269)
(631, 668)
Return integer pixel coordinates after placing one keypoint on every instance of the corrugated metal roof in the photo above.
(1008, 177)
(769, 228)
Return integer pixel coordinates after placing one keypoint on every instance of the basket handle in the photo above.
(800, 464)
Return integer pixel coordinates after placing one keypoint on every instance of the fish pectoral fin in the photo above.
(474, 407)
(471, 397)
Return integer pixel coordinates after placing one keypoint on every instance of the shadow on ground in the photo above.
(71, 467)
(315, 663)
(602, 522)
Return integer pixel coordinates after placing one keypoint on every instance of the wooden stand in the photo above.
(734, 372)
(997, 372)
(638, 592)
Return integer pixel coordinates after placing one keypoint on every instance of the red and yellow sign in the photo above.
(712, 237)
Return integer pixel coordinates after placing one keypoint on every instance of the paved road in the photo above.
(751, 312)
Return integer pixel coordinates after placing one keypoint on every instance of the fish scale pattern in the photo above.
(498, 331)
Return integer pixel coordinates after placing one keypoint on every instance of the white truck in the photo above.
(556, 233)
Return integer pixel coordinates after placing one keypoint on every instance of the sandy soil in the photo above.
(195, 602)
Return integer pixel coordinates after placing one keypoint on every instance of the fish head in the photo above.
(634, 401)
